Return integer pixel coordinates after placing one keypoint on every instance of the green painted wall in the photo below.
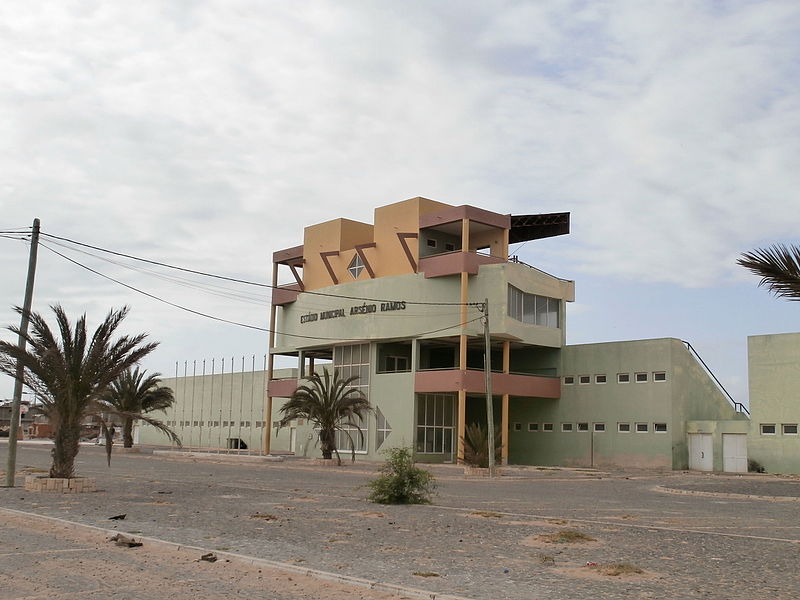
(774, 372)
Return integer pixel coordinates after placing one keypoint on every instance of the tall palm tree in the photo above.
(779, 268)
(331, 404)
(69, 372)
(135, 393)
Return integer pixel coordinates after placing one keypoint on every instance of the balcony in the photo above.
(453, 263)
(285, 294)
(473, 381)
(281, 388)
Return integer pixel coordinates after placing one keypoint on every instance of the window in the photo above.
(583, 427)
(566, 427)
(642, 427)
(641, 377)
(660, 427)
(624, 427)
(569, 380)
(353, 361)
(435, 418)
(431, 243)
(767, 429)
(533, 427)
(356, 266)
(623, 377)
(789, 428)
(382, 429)
(517, 426)
(547, 427)
(599, 378)
(533, 309)
(599, 426)
(449, 247)
(659, 376)
(395, 364)
(584, 379)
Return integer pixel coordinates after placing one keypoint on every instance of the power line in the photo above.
(220, 319)
(244, 281)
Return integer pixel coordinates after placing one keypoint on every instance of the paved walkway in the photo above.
(480, 539)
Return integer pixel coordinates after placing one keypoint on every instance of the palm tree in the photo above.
(133, 393)
(476, 445)
(69, 373)
(779, 268)
(331, 404)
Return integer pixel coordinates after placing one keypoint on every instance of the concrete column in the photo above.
(462, 343)
(504, 412)
(273, 311)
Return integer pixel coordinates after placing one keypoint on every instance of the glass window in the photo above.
(623, 377)
(547, 427)
(642, 427)
(517, 426)
(659, 376)
(435, 423)
(566, 427)
(624, 427)
(599, 378)
(356, 266)
(767, 429)
(584, 379)
(353, 360)
(382, 428)
(533, 427)
(789, 428)
(569, 380)
(660, 427)
(583, 427)
(449, 247)
(533, 309)
(641, 377)
(431, 243)
(599, 426)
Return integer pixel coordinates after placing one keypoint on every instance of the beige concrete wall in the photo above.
(774, 372)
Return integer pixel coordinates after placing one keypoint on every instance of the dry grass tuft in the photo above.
(487, 513)
(617, 569)
(566, 536)
(425, 574)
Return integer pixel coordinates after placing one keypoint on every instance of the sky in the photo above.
(207, 134)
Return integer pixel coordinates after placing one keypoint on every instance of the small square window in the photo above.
(767, 429)
(660, 427)
(599, 378)
(517, 426)
(642, 427)
(789, 428)
(431, 243)
(569, 380)
(624, 427)
(583, 427)
(547, 427)
(641, 377)
(623, 377)
(533, 427)
(659, 376)
(599, 426)
(566, 427)
(584, 379)
(449, 247)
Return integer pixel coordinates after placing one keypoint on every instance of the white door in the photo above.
(292, 439)
(701, 452)
(734, 452)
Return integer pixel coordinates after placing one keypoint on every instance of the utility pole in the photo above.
(487, 366)
(23, 330)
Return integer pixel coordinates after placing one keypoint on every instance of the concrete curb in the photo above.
(666, 490)
(248, 560)
(244, 458)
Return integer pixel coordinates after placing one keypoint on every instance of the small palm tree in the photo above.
(133, 394)
(68, 373)
(779, 268)
(331, 404)
(476, 445)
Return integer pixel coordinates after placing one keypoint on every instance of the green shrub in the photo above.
(400, 482)
(753, 466)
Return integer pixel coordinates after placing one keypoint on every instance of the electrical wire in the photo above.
(223, 320)
(244, 281)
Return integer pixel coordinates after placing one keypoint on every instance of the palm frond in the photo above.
(779, 269)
